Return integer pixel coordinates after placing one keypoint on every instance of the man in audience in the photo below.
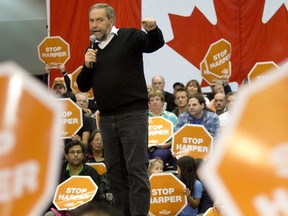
(225, 117)
(181, 100)
(82, 101)
(197, 114)
(158, 82)
(58, 89)
(74, 154)
(219, 103)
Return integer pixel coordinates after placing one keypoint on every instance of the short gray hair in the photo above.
(110, 12)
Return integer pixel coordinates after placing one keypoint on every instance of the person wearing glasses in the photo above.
(74, 155)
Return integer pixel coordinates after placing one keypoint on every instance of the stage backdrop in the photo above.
(256, 30)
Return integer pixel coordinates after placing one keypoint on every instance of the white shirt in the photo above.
(104, 43)
(224, 118)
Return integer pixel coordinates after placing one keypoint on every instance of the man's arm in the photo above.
(84, 79)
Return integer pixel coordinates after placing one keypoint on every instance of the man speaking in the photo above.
(117, 78)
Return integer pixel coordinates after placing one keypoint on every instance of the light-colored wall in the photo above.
(22, 28)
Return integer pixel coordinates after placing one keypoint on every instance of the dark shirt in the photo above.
(118, 76)
(169, 99)
(86, 171)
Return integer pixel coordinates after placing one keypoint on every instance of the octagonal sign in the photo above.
(260, 71)
(99, 167)
(212, 211)
(192, 140)
(216, 62)
(74, 192)
(248, 172)
(72, 117)
(29, 141)
(167, 197)
(54, 50)
(160, 130)
(74, 84)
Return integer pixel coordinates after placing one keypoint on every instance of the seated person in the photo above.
(95, 148)
(155, 166)
(74, 154)
(156, 103)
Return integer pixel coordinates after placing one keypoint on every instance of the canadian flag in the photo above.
(257, 31)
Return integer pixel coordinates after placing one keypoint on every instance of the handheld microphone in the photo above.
(92, 41)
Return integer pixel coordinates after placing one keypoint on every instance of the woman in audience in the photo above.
(95, 148)
(193, 87)
(186, 169)
(205, 201)
(156, 103)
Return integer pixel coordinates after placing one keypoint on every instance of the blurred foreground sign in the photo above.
(249, 171)
(29, 142)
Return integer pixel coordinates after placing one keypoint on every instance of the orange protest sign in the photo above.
(54, 50)
(212, 212)
(74, 85)
(167, 197)
(99, 167)
(72, 117)
(192, 140)
(216, 62)
(256, 144)
(74, 192)
(29, 142)
(259, 71)
(160, 130)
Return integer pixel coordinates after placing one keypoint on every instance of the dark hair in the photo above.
(178, 83)
(96, 208)
(199, 97)
(198, 162)
(69, 145)
(92, 135)
(196, 83)
(188, 171)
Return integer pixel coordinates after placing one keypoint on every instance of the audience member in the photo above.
(205, 201)
(198, 114)
(177, 85)
(217, 88)
(74, 165)
(59, 86)
(82, 101)
(225, 83)
(186, 169)
(156, 165)
(181, 100)
(89, 124)
(219, 103)
(225, 117)
(58, 89)
(156, 103)
(95, 148)
(193, 87)
(158, 82)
